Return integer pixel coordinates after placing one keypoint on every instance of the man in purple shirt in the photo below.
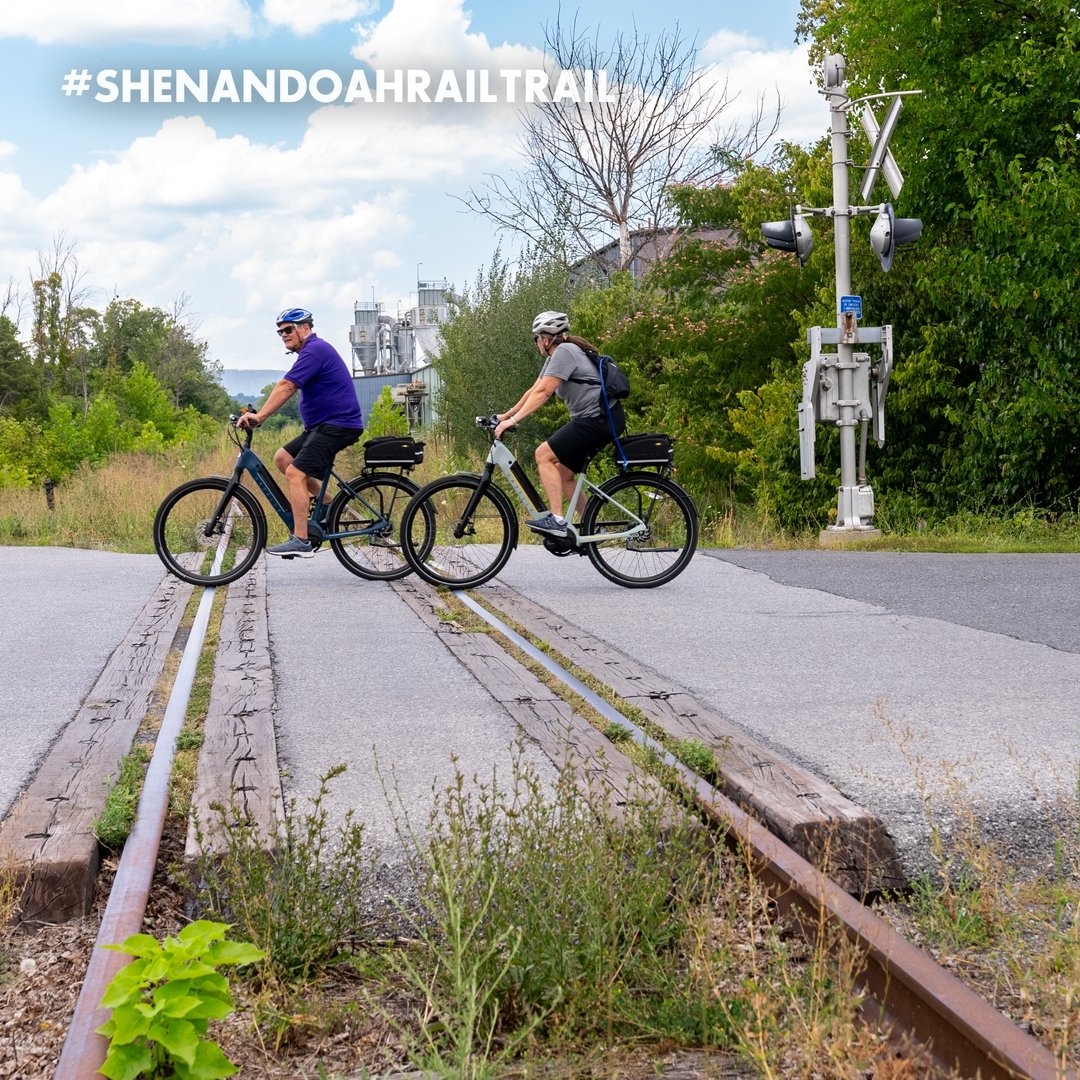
(330, 413)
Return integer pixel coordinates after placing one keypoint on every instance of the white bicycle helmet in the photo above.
(551, 322)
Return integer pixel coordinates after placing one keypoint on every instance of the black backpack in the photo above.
(613, 382)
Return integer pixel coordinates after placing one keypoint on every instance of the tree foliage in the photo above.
(488, 358)
(88, 384)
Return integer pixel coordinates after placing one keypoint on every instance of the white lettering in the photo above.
(186, 86)
(225, 88)
(536, 87)
(106, 80)
(602, 94)
(382, 85)
(358, 88)
(292, 86)
(253, 85)
(510, 77)
(162, 85)
(325, 97)
(419, 81)
(566, 87)
(448, 88)
(139, 86)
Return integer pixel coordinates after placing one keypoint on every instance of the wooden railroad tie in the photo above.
(48, 835)
(841, 838)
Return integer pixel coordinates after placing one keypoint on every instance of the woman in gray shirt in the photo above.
(570, 373)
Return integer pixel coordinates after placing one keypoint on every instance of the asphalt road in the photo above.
(63, 614)
(892, 676)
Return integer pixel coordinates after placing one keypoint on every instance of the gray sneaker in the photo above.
(548, 524)
(293, 548)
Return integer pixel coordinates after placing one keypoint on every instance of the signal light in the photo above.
(888, 232)
(791, 235)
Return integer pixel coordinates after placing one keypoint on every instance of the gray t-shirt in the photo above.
(567, 362)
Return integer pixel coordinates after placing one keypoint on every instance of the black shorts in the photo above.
(574, 443)
(314, 450)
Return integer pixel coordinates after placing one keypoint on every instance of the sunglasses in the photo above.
(285, 331)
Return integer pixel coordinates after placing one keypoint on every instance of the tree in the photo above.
(488, 358)
(712, 322)
(18, 383)
(62, 323)
(597, 170)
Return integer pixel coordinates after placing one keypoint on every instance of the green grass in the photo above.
(116, 819)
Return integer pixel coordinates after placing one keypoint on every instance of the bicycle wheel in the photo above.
(196, 520)
(378, 503)
(443, 547)
(658, 554)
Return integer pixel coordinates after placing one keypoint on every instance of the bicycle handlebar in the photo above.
(234, 423)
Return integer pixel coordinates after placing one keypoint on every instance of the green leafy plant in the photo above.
(163, 1000)
(697, 756)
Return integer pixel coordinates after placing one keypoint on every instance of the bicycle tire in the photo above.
(659, 554)
(429, 522)
(181, 522)
(375, 556)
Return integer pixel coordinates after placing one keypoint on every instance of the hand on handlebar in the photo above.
(246, 419)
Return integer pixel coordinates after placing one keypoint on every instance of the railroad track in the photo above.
(785, 818)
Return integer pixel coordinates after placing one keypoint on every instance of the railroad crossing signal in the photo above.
(889, 231)
(791, 235)
(881, 159)
(845, 387)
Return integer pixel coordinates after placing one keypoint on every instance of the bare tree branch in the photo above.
(598, 170)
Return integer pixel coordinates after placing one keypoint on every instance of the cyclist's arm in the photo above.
(278, 396)
(534, 398)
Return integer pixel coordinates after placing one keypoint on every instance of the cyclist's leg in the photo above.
(570, 449)
(311, 461)
(555, 478)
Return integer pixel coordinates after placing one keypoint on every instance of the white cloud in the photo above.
(312, 15)
(433, 35)
(754, 73)
(49, 22)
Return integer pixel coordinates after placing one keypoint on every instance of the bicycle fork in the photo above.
(464, 523)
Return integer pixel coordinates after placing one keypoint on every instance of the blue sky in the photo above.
(243, 208)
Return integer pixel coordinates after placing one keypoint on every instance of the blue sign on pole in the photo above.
(851, 303)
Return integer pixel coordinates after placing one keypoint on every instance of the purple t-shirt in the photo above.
(327, 394)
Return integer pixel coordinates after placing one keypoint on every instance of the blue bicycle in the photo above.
(361, 524)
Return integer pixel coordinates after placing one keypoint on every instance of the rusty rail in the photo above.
(84, 1050)
(915, 999)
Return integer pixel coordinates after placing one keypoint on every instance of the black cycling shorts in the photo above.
(574, 443)
(314, 450)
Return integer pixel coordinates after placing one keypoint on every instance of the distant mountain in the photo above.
(248, 383)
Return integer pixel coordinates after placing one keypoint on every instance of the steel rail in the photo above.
(84, 1050)
(916, 1001)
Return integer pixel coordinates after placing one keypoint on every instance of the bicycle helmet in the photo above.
(551, 322)
(295, 315)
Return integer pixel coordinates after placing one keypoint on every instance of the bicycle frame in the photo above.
(250, 462)
(501, 457)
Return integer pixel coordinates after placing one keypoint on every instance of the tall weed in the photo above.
(302, 902)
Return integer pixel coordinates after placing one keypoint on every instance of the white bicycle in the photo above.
(639, 529)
